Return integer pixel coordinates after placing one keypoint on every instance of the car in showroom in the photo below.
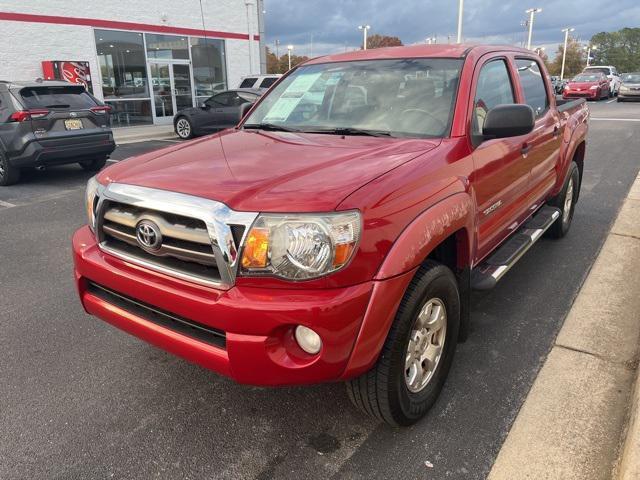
(592, 86)
(612, 75)
(630, 87)
(46, 123)
(216, 113)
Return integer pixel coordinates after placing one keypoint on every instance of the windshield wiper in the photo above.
(58, 105)
(270, 127)
(353, 131)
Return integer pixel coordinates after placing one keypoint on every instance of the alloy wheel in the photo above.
(183, 128)
(568, 200)
(426, 345)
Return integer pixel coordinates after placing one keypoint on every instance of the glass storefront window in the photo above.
(209, 67)
(130, 113)
(167, 47)
(122, 64)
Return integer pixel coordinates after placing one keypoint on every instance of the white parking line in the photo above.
(6, 204)
(611, 101)
(616, 119)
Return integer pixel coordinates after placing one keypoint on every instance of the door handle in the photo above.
(556, 131)
(525, 148)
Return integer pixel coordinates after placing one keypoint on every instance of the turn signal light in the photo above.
(343, 253)
(256, 248)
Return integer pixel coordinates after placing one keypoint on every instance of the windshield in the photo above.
(587, 78)
(604, 70)
(631, 78)
(53, 96)
(399, 97)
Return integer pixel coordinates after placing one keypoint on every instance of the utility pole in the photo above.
(289, 48)
(531, 12)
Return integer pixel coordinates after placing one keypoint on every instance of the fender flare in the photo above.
(412, 247)
(427, 231)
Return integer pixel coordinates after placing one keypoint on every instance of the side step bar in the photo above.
(486, 275)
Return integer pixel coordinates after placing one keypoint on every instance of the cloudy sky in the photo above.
(333, 23)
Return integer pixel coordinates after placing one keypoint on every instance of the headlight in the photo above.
(90, 200)
(623, 88)
(300, 246)
(593, 87)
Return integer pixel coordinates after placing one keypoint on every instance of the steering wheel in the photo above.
(431, 116)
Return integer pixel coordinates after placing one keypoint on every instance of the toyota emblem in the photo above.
(148, 235)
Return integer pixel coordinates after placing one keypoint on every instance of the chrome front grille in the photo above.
(199, 239)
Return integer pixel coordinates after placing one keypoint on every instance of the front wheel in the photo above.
(417, 354)
(184, 129)
(566, 202)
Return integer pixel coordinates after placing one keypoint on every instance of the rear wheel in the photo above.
(417, 354)
(8, 173)
(94, 165)
(184, 129)
(566, 202)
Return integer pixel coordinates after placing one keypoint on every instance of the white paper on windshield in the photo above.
(291, 97)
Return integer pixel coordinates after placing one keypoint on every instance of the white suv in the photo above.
(259, 81)
(611, 73)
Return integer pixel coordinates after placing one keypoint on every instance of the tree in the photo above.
(574, 62)
(380, 41)
(281, 65)
(620, 49)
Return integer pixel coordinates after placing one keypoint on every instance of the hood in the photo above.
(269, 171)
(582, 85)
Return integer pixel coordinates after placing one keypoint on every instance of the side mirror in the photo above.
(244, 108)
(510, 120)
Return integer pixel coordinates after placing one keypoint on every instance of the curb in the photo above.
(572, 423)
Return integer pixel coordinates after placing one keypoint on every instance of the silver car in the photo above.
(630, 87)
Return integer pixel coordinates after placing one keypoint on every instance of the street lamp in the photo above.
(564, 50)
(289, 48)
(364, 29)
(460, 9)
(591, 47)
(531, 12)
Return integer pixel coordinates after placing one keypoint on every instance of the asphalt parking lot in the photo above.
(80, 399)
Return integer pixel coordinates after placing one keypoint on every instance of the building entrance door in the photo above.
(172, 89)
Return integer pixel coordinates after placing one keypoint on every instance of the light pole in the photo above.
(564, 50)
(249, 4)
(531, 12)
(365, 29)
(289, 48)
(460, 9)
(591, 47)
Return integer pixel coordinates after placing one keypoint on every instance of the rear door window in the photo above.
(494, 88)
(57, 97)
(248, 82)
(535, 93)
(267, 82)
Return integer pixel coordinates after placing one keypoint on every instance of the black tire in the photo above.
(8, 173)
(618, 100)
(561, 226)
(382, 392)
(183, 128)
(94, 165)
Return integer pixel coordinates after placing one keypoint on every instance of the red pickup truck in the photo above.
(336, 233)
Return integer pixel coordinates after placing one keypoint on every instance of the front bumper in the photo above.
(582, 94)
(257, 323)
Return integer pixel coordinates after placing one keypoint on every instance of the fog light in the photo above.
(308, 340)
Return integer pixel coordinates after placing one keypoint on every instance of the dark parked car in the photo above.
(51, 123)
(630, 87)
(216, 113)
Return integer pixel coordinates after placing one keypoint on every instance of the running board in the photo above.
(486, 275)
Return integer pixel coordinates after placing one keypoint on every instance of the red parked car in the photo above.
(594, 86)
(337, 232)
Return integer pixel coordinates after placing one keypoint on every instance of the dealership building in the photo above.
(147, 59)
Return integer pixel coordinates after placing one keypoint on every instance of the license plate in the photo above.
(73, 124)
